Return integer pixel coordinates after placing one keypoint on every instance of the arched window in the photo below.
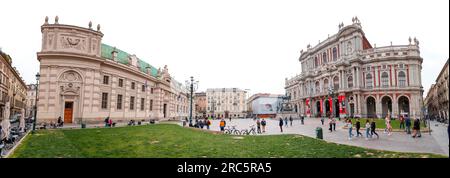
(334, 54)
(350, 82)
(401, 79)
(324, 58)
(316, 62)
(325, 84)
(384, 80)
(369, 81)
(336, 83)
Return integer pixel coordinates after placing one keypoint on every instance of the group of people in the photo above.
(199, 122)
(108, 122)
(261, 124)
(370, 127)
(285, 122)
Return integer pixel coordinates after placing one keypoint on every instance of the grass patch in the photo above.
(172, 141)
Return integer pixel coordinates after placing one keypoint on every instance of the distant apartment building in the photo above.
(30, 101)
(437, 98)
(200, 104)
(226, 102)
(12, 88)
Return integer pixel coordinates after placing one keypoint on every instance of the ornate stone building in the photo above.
(12, 87)
(84, 80)
(437, 98)
(226, 102)
(30, 101)
(345, 75)
(200, 104)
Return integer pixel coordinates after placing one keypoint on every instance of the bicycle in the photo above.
(232, 130)
(248, 132)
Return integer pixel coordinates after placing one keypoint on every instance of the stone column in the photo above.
(378, 106)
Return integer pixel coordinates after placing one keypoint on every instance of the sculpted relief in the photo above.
(70, 83)
(73, 42)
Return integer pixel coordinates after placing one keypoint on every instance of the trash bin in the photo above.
(83, 125)
(319, 133)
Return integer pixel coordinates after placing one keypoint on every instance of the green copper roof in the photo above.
(122, 57)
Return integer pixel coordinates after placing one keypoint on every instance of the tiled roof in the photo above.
(123, 56)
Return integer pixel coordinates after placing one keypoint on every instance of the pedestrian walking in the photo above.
(373, 128)
(388, 124)
(258, 126)
(416, 128)
(350, 129)
(402, 122)
(208, 123)
(222, 124)
(368, 130)
(281, 124)
(330, 122)
(322, 120)
(286, 121)
(263, 124)
(290, 119)
(408, 125)
(358, 126)
(302, 118)
(334, 123)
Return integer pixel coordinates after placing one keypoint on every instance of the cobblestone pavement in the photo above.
(436, 143)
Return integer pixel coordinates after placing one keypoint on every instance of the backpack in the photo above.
(209, 122)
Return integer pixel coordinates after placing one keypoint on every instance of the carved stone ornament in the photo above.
(70, 76)
(72, 42)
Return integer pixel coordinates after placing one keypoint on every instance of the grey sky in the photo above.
(249, 44)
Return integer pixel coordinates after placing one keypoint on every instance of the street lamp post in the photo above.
(191, 86)
(35, 101)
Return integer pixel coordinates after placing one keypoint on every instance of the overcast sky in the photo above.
(248, 44)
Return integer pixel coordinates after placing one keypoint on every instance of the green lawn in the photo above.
(381, 123)
(172, 141)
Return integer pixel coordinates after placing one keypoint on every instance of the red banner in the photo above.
(330, 100)
(341, 100)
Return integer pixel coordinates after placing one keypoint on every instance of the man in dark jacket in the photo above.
(358, 126)
(281, 124)
(373, 128)
(408, 125)
(416, 128)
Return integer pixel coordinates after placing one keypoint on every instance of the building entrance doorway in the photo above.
(68, 112)
(165, 110)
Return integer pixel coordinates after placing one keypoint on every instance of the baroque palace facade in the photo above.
(84, 81)
(346, 77)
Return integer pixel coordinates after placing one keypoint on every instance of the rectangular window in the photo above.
(119, 101)
(143, 88)
(132, 103)
(120, 82)
(106, 80)
(133, 85)
(104, 100)
(151, 105)
(151, 90)
(142, 104)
